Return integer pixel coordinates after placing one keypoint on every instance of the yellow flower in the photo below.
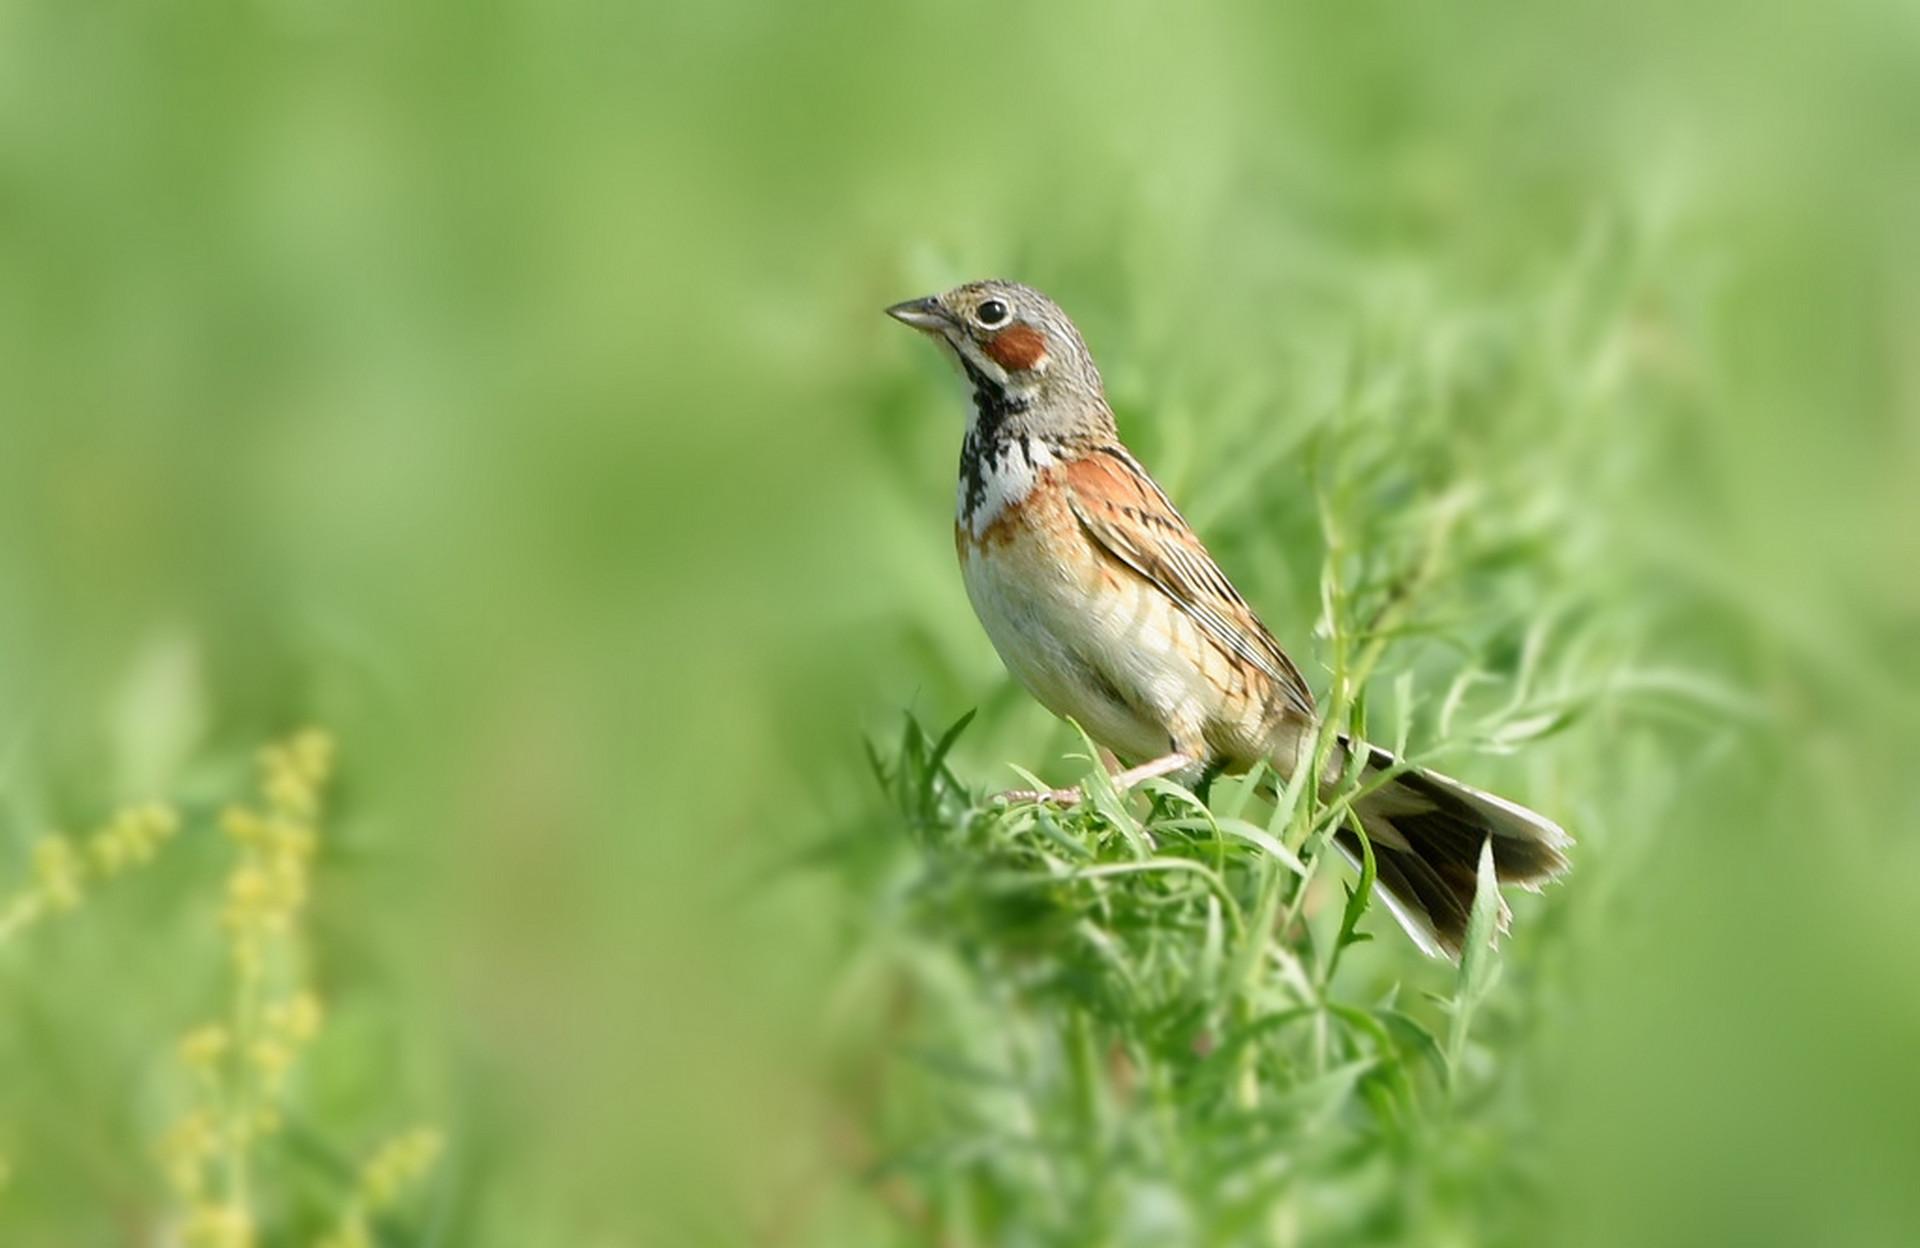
(249, 895)
(132, 837)
(185, 1149)
(311, 752)
(204, 1046)
(289, 882)
(110, 852)
(59, 872)
(242, 1096)
(217, 1226)
(398, 1164)
(273, 1059)
(290, 794)
(292, 773)
(351, 1233)
(297, 1018)
(161, 820)
(243, 825)
(292, 839)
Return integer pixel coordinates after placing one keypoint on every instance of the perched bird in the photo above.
(1105, 605)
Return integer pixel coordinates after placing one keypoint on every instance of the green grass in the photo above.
(1119, 1037)
(1136, 1021)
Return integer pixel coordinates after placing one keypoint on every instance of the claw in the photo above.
(1122, 780)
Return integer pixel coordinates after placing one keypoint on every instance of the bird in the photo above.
(1106, 606)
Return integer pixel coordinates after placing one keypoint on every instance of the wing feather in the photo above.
(1127, 515)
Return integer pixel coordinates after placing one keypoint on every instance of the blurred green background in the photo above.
(503, 387)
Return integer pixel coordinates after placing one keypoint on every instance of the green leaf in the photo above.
(1239, 791)
(1416, 1033)
(1212, 951)
(1288, 801)
(1357, 895)
(937, 762)
(1476, 957)
(1033, 782)
(1404, 704)
(1478, 962)
(1108, 801)
(1264, 840)
(1050, 828)
(1316, 1099)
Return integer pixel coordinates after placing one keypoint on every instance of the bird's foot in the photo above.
(1058, 797)
(1122, 781)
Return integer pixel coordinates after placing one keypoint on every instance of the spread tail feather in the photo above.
(1426, 830)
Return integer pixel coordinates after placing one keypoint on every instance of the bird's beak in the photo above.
(923, 314)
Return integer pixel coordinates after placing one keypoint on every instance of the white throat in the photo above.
(997, 473)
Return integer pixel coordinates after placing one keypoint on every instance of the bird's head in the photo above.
(1019, 351)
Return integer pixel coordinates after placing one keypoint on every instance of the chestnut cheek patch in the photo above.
(1018, 348)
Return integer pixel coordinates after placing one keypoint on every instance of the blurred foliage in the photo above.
(504, 388)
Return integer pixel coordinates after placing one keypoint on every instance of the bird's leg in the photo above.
(1165, 765)
(1122, 780)
(1059, 797)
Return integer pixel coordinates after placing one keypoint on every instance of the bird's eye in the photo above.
(991, 314)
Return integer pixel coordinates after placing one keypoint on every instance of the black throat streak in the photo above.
(989, 440)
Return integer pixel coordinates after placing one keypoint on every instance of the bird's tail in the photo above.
(1426, 830)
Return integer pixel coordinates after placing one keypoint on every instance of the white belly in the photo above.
(1125, 665)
